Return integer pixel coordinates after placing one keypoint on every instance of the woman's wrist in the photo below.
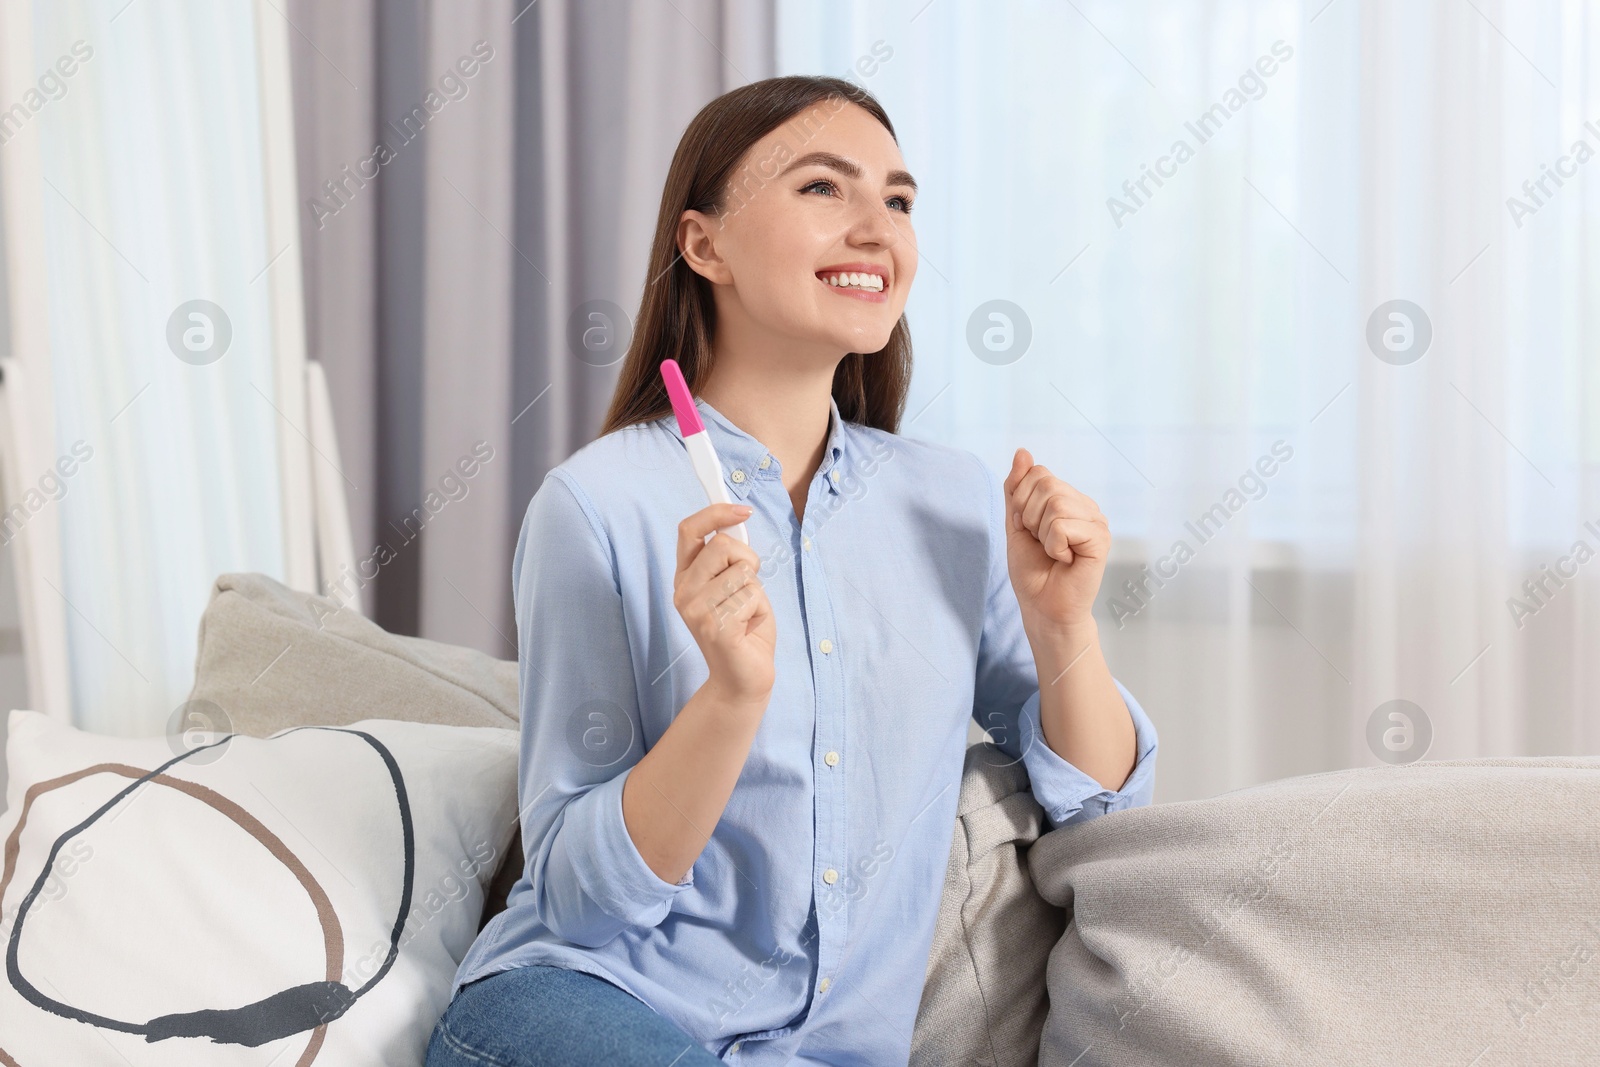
(732, 703)
(1056, 645)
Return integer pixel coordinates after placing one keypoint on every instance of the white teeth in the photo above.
(854, 280)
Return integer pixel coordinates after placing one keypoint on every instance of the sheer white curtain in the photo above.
(152, 190)
(1201, 218)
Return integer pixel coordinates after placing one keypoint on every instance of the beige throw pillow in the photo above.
(270, 657)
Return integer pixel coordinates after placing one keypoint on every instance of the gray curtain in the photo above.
(476, 176)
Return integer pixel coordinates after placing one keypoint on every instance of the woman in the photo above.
(740, 763)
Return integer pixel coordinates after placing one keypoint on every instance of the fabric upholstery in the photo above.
(984, 999)
(1435, 913)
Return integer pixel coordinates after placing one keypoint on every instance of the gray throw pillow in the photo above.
(272, 657)
(1436, 913)
(984, 999)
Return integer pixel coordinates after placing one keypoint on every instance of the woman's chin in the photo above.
(871, 343)
(859, 340)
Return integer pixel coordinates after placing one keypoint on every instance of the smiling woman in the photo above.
(743, 143)
(737, 781)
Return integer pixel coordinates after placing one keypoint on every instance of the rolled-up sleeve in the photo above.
(580, 727)
(1069, 795)
(1006, 703)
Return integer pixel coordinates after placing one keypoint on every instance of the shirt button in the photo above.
(738, 476)
(822, 986)
(831, 759)
(835, 476)
(805, 543)
(766, 461)
(735, 1047)
(830, 876)
(826, 646)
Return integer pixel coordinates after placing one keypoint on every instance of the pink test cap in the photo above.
(682, 403)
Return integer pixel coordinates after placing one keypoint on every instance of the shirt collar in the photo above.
(742, 455)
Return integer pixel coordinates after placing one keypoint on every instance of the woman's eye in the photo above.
(827, 188)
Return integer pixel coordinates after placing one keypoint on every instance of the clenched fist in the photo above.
(1056, 547)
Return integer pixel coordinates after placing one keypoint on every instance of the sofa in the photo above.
(1441, 912)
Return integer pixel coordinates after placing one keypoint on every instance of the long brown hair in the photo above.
(677, 315)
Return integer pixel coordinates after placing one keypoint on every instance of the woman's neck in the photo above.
(782, 403)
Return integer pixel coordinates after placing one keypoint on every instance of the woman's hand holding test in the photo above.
(1056, 546)
(676, 793)
(720, 597)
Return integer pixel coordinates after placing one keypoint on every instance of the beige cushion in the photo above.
(984, 1000)
(271, 657)
(1437, 913)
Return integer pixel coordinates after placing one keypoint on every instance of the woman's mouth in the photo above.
(862, 283)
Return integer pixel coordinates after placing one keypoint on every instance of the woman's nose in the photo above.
(873, 226)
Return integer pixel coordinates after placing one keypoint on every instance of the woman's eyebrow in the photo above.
(847, 167)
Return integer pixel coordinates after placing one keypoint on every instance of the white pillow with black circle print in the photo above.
(224, 900)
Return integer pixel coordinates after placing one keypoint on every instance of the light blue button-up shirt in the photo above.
(801, 934)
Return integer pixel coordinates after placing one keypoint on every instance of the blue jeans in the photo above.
(545, 1016)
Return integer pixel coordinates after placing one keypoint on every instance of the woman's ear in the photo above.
(697, 242)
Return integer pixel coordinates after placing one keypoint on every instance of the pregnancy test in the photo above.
(702, 453)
